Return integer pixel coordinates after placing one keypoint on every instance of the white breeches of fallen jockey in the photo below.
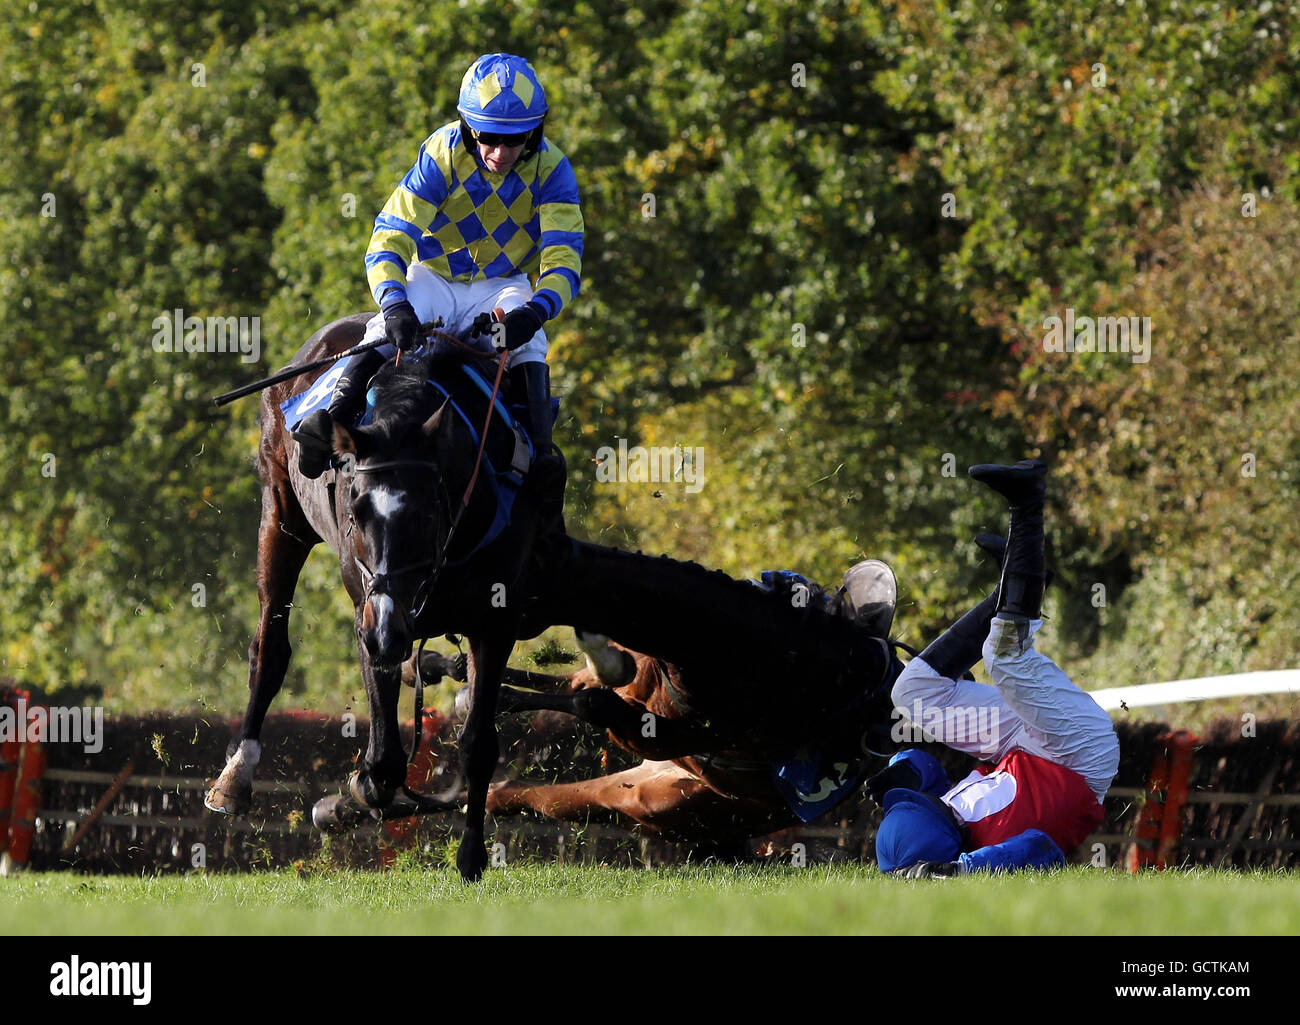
(1032, 706)
(458, 303)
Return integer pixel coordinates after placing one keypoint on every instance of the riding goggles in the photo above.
(497, 139)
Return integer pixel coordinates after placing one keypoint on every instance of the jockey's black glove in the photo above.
(900, 774)
(402, 326)
(519, 326)
(482, 325)
(930, 870)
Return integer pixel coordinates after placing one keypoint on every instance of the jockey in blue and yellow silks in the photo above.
(488, 202)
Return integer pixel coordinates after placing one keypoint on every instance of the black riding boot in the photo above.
(1020, 594)
(532, 381)
(995, 547)
(315, 435)
(955, 651)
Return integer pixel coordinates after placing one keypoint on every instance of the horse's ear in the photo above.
(433, 425)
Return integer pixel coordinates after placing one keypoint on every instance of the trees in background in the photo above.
(822, 241)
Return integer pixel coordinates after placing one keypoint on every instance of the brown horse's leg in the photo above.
(479, 748)
(660, 796)
(284, 541)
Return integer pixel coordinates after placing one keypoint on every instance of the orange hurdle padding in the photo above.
(10, 751)
(1147, 834)
(1160, 823)
(27, 803)
(1181, 745)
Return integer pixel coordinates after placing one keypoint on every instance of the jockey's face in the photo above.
(497, 156)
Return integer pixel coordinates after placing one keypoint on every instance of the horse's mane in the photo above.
(403, 397)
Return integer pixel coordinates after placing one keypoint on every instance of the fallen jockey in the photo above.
(1053, 749)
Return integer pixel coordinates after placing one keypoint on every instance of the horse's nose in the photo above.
(385, 632)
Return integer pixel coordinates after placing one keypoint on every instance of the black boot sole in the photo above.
(1021, 484)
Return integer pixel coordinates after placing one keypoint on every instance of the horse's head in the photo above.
(399, 506)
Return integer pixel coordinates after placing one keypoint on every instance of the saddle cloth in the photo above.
(814, 782)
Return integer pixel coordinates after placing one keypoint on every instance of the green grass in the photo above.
(535, 898)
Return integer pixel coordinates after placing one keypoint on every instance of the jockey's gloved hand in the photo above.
(930, 870)
(402, 326)
(519, 326)
(482, 325)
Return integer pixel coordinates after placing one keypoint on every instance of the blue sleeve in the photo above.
(1031, 849)
(934, 781)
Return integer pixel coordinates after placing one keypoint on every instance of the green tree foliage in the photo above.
(821, 240)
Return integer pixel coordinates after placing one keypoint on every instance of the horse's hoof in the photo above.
(471, 859)
(367, 793)
(338, 814)
(590, 642)
(229, 798)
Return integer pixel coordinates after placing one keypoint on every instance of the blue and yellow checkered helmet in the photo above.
(500, 93)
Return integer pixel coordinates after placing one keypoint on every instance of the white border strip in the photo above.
(1204, 688)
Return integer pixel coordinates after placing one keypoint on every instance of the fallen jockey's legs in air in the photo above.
(1060, 721)
(315, 435)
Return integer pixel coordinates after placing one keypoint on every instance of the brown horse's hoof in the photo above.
(338, 814)
(229, 798)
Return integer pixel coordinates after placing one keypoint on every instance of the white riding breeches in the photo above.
(1033, 705)
(458, 303)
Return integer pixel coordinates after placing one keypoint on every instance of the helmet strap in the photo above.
(534, 142)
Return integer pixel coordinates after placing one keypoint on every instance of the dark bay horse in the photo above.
(741, 649)
(387, 514)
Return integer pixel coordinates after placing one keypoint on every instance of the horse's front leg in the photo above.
(284, 541)
(384, 769)
(478, 747)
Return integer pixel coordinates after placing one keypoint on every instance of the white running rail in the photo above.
(1272, 681)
